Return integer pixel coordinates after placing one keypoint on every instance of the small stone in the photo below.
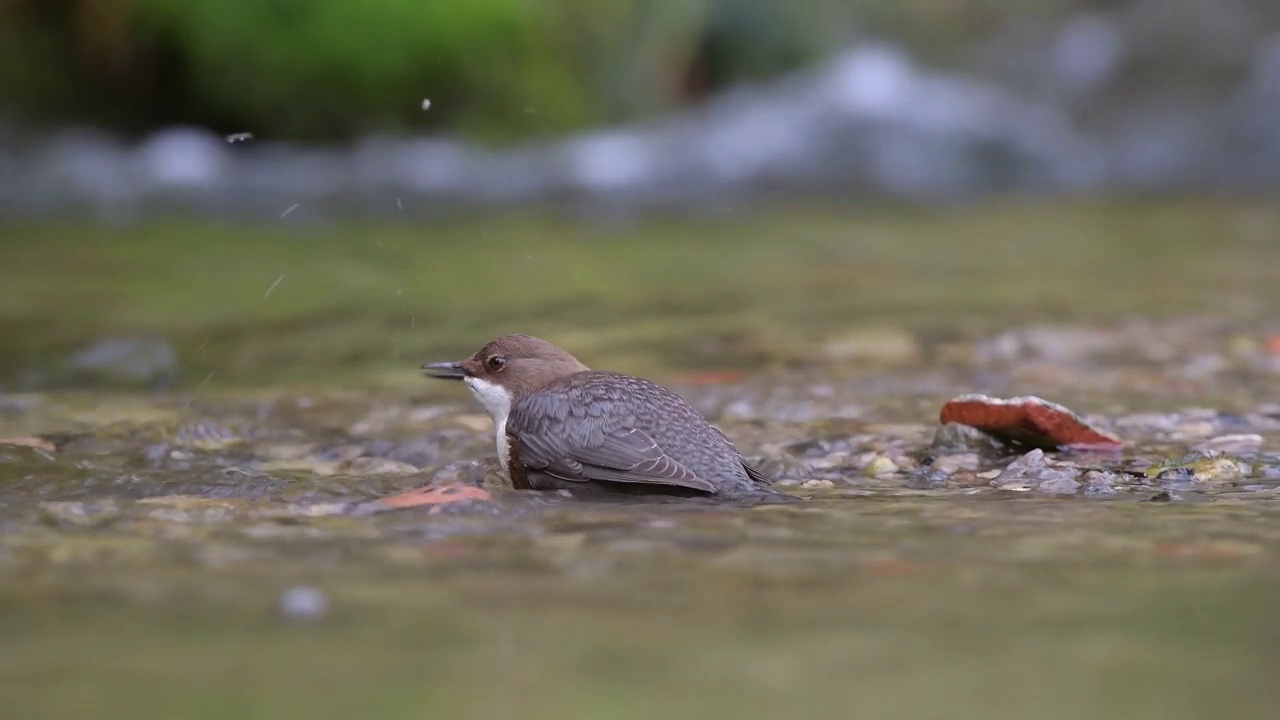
(420, 452)
(1194, 430)
(905, 462)
(955, 437)
(478, 423)
(787, 470)
(1033, 460)
(1221, 470)
(1242, 443)
(141, 361)
(880, 466)
(1208, 467)
(949, 464)
(463, 472)
(78, 513)
(1181, 476)
(375, 466)
(1098, 490)
(156, 454)
(376, 422)
(1060, 486)
(931, 480)
(31, 441)
(16, 405)
(817, 484)
(295, 451)
(205, 436)
(1033, 470)
(884, 345)
(304, 603)
(191, 508)
(327, 509)
(425, 414)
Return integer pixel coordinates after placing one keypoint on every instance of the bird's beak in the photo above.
(445, 370)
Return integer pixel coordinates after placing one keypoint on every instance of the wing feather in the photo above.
(597, 447)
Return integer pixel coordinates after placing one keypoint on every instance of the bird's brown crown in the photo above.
(522, 364)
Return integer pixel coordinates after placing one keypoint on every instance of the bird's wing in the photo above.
(752, 471)
(755, 474)
(598, 446)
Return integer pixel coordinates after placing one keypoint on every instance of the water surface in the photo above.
(147, 537)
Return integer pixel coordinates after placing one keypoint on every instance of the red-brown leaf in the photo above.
(433, 495)
(1029, 420)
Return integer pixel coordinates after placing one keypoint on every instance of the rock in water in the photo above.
(304, 603)
(138, 361)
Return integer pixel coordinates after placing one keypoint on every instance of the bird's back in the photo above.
(600, 402)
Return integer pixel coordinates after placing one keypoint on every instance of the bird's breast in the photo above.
(504, 448)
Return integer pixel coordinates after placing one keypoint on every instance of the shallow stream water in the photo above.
(199, 550)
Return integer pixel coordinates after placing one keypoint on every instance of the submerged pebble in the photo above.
(205, 436)
(137, 361)
(1241, 443)
(1200, 468)
(1059, 486)
(1098, 490)
(304, 603)
(880, 466)
(1033, 471)
(954, 437)
(927, 480)
(81, 514)
(948, 464)
(464, 472)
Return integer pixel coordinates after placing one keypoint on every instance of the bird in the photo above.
(559, 425)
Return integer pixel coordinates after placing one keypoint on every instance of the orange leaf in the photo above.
(1027, 419)
(433, 495)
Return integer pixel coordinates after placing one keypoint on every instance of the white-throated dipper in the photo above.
(562, 425)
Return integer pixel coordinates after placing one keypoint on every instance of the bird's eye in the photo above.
(497, 362)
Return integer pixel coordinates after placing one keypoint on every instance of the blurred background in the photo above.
(403, 121)
(231, 231)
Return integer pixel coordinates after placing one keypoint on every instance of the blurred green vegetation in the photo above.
(493, 69)
(295, 303)
(320, 69)
(497, 70)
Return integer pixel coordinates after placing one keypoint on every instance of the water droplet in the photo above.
(274, 285)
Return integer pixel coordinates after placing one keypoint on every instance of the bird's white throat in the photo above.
(497, 402)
